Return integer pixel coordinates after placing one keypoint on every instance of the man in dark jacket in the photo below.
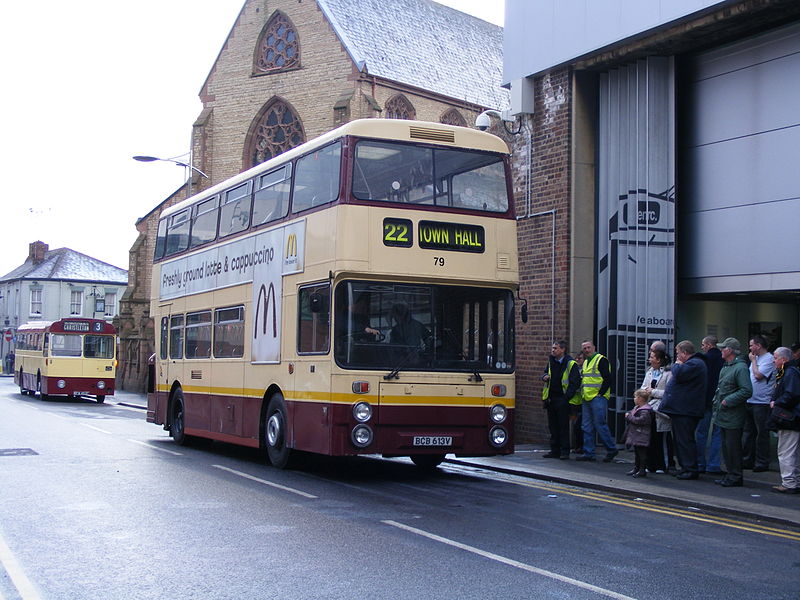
(684, 402)
(562, 379)
(714, 365)
(730, 409)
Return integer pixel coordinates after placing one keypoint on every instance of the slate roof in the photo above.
(64, 264)
(425, 45)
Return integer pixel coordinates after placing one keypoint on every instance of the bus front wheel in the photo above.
(275, 433)
(22, 389)
(100, 399)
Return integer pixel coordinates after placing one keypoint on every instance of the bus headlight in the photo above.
(361, 436)
(101, 385)
(498, 437)
(61, 384)
(362, 412)
(498, 413)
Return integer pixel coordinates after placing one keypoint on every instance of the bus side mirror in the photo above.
(523, 313)
(317, 302)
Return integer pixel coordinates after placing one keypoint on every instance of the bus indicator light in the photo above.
(499, 390)
(361, 387)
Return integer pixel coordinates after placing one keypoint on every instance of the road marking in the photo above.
(265, 482)
(508, 561)
(17, 575)
(151, 446)
(776, 531)
(97, 429)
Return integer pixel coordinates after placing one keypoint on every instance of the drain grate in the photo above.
(18, 452)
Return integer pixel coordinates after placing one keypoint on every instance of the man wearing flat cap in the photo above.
(730, 408)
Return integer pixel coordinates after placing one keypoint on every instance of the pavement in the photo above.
(754, 501)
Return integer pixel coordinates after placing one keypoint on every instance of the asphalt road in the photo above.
(97, 503)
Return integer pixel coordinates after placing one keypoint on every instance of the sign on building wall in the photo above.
(636, 218)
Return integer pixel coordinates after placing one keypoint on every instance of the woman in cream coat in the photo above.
(655, 381)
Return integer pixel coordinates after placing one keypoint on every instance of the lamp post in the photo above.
(180, 163)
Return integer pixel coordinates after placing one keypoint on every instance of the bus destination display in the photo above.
(80, 326)
(434, 235)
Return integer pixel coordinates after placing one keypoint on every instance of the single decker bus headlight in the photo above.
(498, 437)
(498, 413)
(101, 385)
(362, 412)
(61, 384)
(361, 436)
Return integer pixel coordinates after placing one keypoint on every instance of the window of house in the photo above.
(229, 332)
(76, 302)
(278, 48)
(36, 302)
(314, 326)
(398, 107)
(111, 304)
(316, 179)
(276, 130)
(198, 334)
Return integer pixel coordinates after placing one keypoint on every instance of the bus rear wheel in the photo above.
(275, 424)
(427, 462)
(178, 422)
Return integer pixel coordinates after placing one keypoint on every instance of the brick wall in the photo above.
(546, 288)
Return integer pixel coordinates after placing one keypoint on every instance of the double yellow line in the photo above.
(774, 531)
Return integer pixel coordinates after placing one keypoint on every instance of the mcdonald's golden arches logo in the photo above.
(291, 245)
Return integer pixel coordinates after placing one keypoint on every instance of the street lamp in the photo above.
(176, 162)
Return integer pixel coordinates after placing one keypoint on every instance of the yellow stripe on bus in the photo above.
(347, 398)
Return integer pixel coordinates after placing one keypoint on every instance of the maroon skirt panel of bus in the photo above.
(75, 386)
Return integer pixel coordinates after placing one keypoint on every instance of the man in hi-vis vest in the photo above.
(596, 373)
(562, 386)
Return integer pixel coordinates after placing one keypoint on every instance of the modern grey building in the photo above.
(662, 141)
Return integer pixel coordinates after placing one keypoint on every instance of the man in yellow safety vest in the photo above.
(596, 373)
(562, 386)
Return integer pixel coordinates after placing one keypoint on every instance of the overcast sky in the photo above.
(86, 86)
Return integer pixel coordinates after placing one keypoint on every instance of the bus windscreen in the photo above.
(423, 327)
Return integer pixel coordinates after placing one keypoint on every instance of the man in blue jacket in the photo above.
(684, 401)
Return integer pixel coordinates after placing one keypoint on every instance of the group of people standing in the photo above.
(690, 411)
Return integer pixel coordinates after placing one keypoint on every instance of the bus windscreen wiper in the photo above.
(412, 353)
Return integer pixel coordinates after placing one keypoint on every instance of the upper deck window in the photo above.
(392, 172)
(235, 213)
(204, 222)
(177, 232)
(271, 200)
(316, 178)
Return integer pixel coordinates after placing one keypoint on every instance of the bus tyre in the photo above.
(275, 433)
(427, 462)
(42, 395)
(100, 399)
(178, 421)
(22, 389)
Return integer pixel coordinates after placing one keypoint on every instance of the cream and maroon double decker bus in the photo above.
(69, 357)
(354, 295)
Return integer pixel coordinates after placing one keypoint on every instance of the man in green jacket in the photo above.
(730, 408)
